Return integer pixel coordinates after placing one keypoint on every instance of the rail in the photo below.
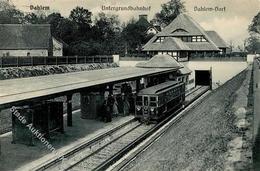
(50, 163)
(155, 133)
(128, 146)
(17, 61)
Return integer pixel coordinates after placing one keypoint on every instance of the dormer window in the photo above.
(198, 39)
(159, 39)
(179, 31)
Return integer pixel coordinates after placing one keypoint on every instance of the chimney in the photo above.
(144, 16)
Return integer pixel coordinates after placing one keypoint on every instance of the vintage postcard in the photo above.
(148, 85)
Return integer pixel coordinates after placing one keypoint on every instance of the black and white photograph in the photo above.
(119, 85)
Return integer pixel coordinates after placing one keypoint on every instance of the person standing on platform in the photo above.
(126, 105)
(110, 104)
(120, 104)
(115, 107)
(103, 112)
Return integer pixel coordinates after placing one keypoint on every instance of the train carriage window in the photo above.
(139, 103)
(145, 101)
(139, 100)
(153, 104)
(152, 98)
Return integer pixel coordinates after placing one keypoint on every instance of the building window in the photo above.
(174, 54)
(194, 38)
(198, 39)
(159, 39)
(179, 30)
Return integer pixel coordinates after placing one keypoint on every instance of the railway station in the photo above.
(32, 102)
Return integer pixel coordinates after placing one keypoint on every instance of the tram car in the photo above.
(154, 103)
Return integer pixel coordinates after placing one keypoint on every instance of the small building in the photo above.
(153, 29)
(180, 74)
(150, 28)
(184, 38)
(28, 40)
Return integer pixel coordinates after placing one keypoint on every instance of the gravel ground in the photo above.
(200, 140)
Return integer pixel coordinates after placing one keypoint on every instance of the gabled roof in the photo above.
(29, 36)
(201, 46)
(160, 61)
(183, 25)
(169, 43)
(156, 27)
(217, 39)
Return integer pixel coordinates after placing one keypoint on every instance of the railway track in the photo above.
(122, 163)
(108, 148)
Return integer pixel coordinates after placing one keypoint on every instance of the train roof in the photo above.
(158, 88)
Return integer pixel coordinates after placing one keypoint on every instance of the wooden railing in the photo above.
(17, 61)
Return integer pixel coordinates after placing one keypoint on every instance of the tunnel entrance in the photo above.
(203, 78)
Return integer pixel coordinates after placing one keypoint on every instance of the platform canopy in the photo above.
(15, 91)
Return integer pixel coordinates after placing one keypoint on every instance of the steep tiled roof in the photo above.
(201, 46)
(170, 43)
(19, 36)
(182, 25)
(217, 39)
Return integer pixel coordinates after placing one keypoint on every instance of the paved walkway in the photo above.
(257, 114)
(22, 157)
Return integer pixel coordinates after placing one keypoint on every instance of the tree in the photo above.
(134, 36)
(108, 26)
(231, 45)
(84, 48)
(54, 20)
(255, 25)
(107, 31)
(253, 44)
(66, 30)
(10, 15)
(33, 18)
(81, 16)
(170, 11)
(4, 5)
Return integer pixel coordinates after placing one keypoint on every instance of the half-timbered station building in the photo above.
(184, 38)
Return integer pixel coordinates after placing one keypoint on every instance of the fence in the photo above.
(217, 58)
(17, 61)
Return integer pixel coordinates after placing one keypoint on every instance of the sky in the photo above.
(231, 23)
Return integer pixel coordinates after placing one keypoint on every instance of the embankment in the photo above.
(215, 135)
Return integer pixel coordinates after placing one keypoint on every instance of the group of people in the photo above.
(116, 104)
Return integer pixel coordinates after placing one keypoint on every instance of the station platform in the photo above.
(23, 157)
